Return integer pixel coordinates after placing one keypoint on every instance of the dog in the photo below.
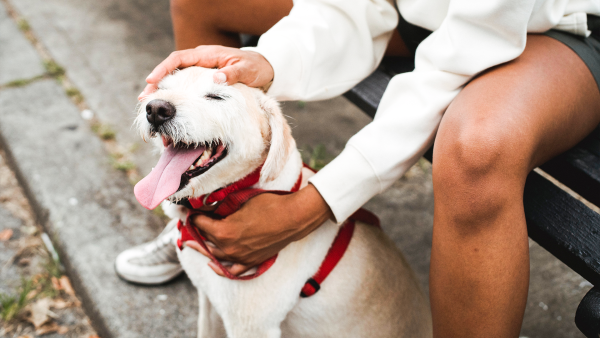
(227, 132)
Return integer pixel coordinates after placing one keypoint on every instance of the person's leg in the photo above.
(504, 123)
(207, 22)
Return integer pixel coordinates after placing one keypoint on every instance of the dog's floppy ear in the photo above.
(280, 140)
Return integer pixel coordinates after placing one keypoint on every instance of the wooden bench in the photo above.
(558, 222)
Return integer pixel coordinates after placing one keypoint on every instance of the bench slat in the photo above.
(578, 169)
(564, 226)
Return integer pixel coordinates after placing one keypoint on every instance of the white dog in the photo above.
(214, 135)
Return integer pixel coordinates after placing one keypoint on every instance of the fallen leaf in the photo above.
(56, 284)
(39, 312)
(5, 235)
(61, 304)
(8, 328)
(62, 329)
(47, 328)
(24, 261)
(28, 243)
(26, 336)
(93, 336)
(36, 278)
(31, 294)
(65, 283)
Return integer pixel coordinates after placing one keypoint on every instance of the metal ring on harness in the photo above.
(206, 197)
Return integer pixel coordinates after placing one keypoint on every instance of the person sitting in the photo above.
(501, 85)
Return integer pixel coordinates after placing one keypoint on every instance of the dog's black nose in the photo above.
(159, 112)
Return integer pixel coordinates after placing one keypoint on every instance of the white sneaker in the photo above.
(154, 262)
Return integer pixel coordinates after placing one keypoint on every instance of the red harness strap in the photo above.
(337, 250)
(235, 195)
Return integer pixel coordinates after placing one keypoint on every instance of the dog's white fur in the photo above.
(372, 292)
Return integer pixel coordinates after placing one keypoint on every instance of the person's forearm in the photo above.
(312, 211)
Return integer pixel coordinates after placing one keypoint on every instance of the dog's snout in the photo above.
(159, 112)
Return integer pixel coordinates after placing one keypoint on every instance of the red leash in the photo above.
(231, 199)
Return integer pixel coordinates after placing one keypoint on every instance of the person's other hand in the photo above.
(263, 226)
(235, 65)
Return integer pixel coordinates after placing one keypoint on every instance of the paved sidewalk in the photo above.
(79, 184)
(51, 307)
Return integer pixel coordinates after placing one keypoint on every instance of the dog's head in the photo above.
(212, 134)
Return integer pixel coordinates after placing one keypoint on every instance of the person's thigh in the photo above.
(520, 114)
(205, 22)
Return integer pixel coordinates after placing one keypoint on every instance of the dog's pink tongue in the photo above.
(165, 178)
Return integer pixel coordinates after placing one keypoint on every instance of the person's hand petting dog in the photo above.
(235, 65)
(268, 222)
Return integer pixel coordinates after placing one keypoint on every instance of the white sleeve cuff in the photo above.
(346, 183)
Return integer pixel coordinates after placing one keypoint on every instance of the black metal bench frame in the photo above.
(560, 223)
(557, 221)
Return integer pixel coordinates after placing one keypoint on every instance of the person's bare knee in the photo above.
(479, 164)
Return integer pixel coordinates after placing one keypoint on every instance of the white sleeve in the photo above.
(311, 63)
(474, 36)
(323, 48)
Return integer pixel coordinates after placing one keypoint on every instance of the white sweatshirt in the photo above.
(323, 48)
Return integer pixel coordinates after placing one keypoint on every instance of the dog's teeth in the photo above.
(192, 167)
(205, 156)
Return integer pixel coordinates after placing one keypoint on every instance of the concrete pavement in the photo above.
(107, 49)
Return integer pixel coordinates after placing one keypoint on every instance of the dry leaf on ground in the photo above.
(31, 294)
(51, 327)
(5, 235)
(56, 284)
(65, 284)
(60, 304)
(39, 312)
(24, 261)
(28, 243)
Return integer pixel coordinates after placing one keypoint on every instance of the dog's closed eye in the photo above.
(213, 97)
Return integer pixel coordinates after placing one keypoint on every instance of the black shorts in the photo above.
(588, 48)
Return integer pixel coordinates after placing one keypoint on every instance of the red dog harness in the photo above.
(231, 198)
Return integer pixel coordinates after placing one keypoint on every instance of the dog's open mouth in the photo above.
(213, 153)
(178, 164)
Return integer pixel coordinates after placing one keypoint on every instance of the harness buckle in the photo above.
(209, 207)
(312, 282)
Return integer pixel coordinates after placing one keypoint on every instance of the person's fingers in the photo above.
(218, 253)
(252, 70)
(229, 74)
(203, 56)
(196, 246)
(149, 89)
(216, 268)
(206, 225)
(220, 77)
(178, 60)
(209, 228)
(237, 269)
